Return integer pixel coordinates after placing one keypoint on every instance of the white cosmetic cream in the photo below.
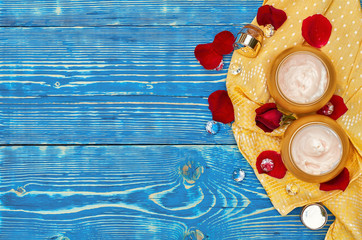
(314, 216)
(316, 149)
(302, 78)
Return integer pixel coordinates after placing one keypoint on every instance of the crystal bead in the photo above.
(267, 165)
(238, 175)
(235, 68)
(328, 109)
(269, 30)
(212, 127)
(292, 189)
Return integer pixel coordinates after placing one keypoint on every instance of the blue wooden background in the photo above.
(102, 105)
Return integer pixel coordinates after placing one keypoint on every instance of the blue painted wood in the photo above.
(136, 192)
(109, 120)
(120, 13)
(123, 78)
(115, 87)
(70, 62)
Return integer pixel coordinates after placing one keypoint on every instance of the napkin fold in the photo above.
(248, 91)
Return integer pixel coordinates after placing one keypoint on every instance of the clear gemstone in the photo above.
(235, 68)
(292, 189)
(328, 109)
(212, 127)
(267, 165)
(238, 175)
(269, 30)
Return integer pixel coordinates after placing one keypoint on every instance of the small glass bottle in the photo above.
(249, 41)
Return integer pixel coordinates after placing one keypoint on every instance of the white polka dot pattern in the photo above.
(248, 91)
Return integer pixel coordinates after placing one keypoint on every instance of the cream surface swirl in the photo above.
(313, 217)
(302, 78)
(316, 149)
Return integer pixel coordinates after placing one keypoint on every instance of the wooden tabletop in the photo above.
(102, 121)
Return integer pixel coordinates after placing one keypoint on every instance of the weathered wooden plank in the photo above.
(106, 61)
(135, 81)
(114, 12)
(136, 192)
(109, 120)
(40, 88)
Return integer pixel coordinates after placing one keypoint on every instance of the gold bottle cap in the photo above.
(249, 41)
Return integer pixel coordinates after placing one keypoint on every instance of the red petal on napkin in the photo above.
(339, 108)
(207, 57)
(340, 182)
(270, 15)
(279, 169)
(223, 42)
(221, 107)
(316, 30)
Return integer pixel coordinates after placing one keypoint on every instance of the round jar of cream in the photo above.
(315, 148)
(302, 79)
(314, 216)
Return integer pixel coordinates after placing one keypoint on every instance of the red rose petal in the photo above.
(339, 107)
(279, 169)
(265, 107)
(264, 15)
(270, 15)
(307, 24)
(340, 182)
(223, 43)
(278, 17)
(316, 30)
(221, 106)
(207, 57)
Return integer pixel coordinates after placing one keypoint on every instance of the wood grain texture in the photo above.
(118, 13)
(103, 109)
(142, 84)
(109, 120)
(111, 61)
(135, 192)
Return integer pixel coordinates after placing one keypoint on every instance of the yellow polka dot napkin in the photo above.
(249, 91)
